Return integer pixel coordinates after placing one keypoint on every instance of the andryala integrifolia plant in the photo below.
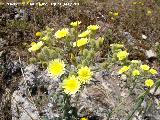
(66, 47)
(137, 75)
(59, 50)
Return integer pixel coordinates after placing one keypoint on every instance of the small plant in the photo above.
(63, 50)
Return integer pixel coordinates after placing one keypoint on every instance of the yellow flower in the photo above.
(56, 67)
(38, 34)
(123, 69)
(122, 55)
(134, 3)
(93, 27)
(26, 2)
(61, 33)
(117, 46)
(75, 24)
(84, 74)
(85, 33)
(135, 61)
(149, 83)
(149, 12)
(84, 118)
(35, 46)
(71, 85)
(135, 73)
(144, 67)
(116, 14)
(153, 71)
(80, 42)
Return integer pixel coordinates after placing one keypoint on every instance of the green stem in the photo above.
(67, 107)
(141, 97)
(134, 85)
(138, 105)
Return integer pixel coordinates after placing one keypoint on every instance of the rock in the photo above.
(22, 108)
(129, 37)
(144, 36)
(150, 54)
(41, 86)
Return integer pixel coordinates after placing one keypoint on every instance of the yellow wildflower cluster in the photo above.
(61, 33)
(75, 24)
(80, 42)
(72, 84)
(35, 46)
(123, 69)
(122, 55)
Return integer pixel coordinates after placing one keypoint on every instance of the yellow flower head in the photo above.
(135, 73)
(38, 34)
(56, 67)
(93, 27)
(35, 46)
(85, 33)
(149, 83)
(71, 85)
(116, 14)
(123, 69)
(149, 12)
(122, 55)
(85, 74)
(61, 33)
(134, 3)
(80, 42)
(75, 24)
(153, 71)
(144, 67)
(84, 118)
(135, 61)
(117, 46)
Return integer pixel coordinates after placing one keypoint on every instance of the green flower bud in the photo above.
(85, 62)
(41, 57)
(45, 38)
(99, 42)
(85, 52)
